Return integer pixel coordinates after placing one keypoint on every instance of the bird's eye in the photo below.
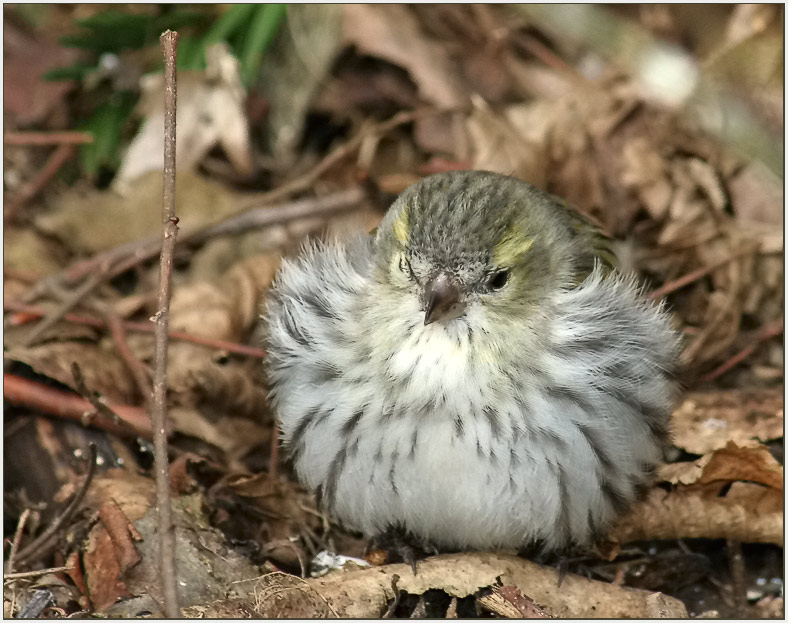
(499, 279)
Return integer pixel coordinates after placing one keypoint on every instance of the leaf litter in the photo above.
(520, 100)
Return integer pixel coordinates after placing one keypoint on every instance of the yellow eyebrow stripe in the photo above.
(512, 245)
(402, 226)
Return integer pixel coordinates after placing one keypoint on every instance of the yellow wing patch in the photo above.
(402, 226)
(513, 244)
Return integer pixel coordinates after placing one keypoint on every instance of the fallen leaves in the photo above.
(747, 512)
(733, 492)
(708, 421)
(364, 593)
(120, 561)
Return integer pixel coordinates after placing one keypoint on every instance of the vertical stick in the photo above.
(169, 42)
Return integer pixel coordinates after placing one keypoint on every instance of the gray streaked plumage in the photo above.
(476, 374)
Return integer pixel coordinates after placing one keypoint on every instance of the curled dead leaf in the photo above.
(211, 111)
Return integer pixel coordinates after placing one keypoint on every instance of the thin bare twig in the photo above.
(21, 391)
(141, 327)
(738, 576)
(51, 531)
(689, 278)
(769, 331)
(133, 364)
(20, 527)
(59, 157)
(166, 533)
(99, 404)
(21, 274)
(34, 574)
(47, 138)
(273, 214)
(66, 306)
(392, 608)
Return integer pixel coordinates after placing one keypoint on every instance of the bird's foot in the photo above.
(399, 544)
(560, 560)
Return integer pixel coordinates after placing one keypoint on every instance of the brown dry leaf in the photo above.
(26, 249)
(749, 464)
(134, 494)
(224, 309)
(364, 593)
(753, 463)
(294, 67)
(235, 436)
(211, 111)
(26, 97)
(207, 568)
(644, 171)
(106, 560)
(288, 508)
(233, 388)
(102, 370)
(750, 513)
(89, 221)
(392, 32)
(708, 421)
(124, 497)
(223, 403)
(498, 145)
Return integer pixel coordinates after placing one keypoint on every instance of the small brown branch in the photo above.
(141, 327)
(133, 364)
(166, 532)
(738, 576)
(231, 347)
(47, 138)
(20, 527)
(255, 216)
(550, 59)
(767, 332)
(20, 274)
(99, 404)
(71, 301)
(59, 157)
(34, 574)
(51, 531)
(21, 391)
(677, 284)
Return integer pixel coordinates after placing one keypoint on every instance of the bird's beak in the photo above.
(442, 299)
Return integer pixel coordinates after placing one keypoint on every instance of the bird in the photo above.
(476, 375)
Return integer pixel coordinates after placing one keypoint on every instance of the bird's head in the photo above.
(474, 240)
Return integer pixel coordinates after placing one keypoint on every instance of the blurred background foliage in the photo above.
(717, 74)
(104, 36)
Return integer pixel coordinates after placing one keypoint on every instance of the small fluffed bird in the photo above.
(477, 375)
